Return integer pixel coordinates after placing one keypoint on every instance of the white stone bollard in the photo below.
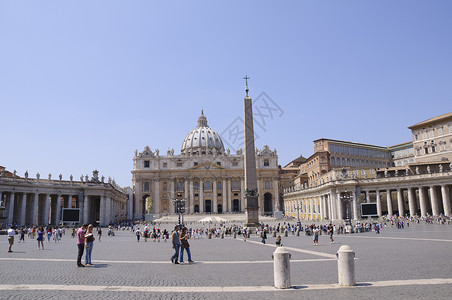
(281, 268)
(346, 266)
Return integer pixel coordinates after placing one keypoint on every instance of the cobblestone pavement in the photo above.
(232, 268)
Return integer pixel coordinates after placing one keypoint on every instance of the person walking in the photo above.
(175, 241)
(49, 233)
(89, 242)
(184, 245)
(263, 235)
(316, 236)
(40, 238)
(80, 244)
(99, 232)
(330, 232)
(22, 235)
(138, 234)
(11, 233)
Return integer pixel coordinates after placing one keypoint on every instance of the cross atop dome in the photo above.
(202, 120)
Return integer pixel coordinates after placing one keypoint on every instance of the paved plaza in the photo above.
(408, 263)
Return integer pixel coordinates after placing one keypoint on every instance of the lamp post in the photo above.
(347, 199)
(179, 205)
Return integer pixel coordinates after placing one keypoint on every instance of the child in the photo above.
(278, 241)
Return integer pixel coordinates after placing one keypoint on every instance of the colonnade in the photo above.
(333, 202)
(25, 208)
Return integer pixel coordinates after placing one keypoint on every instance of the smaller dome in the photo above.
(202, 139)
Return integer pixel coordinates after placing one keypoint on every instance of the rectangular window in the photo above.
(146, 163)
(235, 164)
(179, 165)
(266, 163)
(165, 165)
(195, 163)
(218, 163)
(440, 131)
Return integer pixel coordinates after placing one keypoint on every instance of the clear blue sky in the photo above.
(85, 83)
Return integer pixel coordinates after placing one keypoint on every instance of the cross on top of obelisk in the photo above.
(246, 81)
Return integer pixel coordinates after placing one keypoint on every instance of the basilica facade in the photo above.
(209, 178)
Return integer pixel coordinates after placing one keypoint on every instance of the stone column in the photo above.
(411, 202)
(69, 201)
(58, 210)
(171, 206)
(311, 208)
(333, 203)
(85, 210)
(355, 206)
(201, 195)
(434, 201)
(156, 200)
(322, 207)
(11, 208)
(422, 201)
(223, 194)
(102, 214)
(446, 200)
(367, 196)
(23, 209)
(192, 197)
(276, 195)
(35, 210)
(138, 205)
(400, 202)
(340, 208)
(186, 196)
(389, 202)
(46, 209)
(108, 209)
(229, 192)
(378, 203)
(214, 191)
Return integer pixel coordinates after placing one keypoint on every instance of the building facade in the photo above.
(401, 180)
(37, 201)
(432, 139)
(208, 177)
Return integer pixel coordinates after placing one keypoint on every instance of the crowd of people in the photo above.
(181, 235)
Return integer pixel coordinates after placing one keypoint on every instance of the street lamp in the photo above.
(179, 207)
(347, 198)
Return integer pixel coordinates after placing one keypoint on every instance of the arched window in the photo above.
(333, 161)
(165, 186)
(267, 184)
(208, 186)
(146, 186)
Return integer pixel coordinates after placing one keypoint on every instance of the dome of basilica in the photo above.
(202, 139)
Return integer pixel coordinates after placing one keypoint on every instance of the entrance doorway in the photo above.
(235, 205)
(220, 208)
(208, 206)
(268, 204)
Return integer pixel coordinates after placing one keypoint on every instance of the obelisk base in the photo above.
(251, 211)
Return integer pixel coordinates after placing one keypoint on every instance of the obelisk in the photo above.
(251, 193)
